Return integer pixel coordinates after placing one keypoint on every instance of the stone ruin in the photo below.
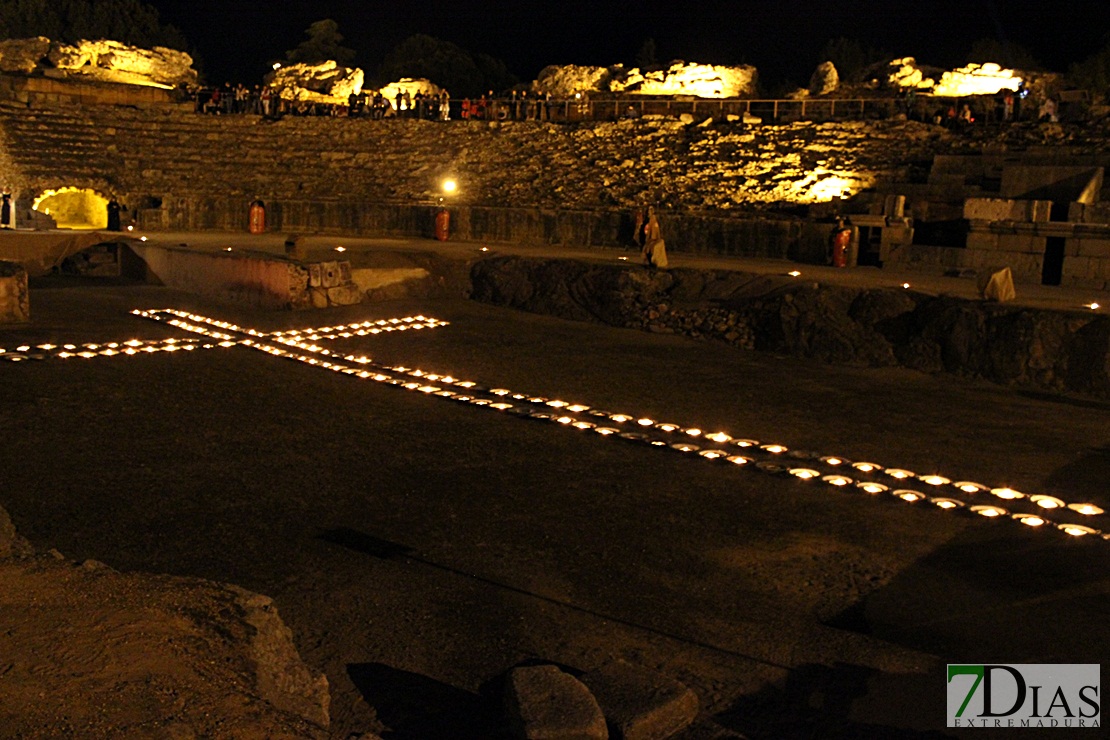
(973, 79)
(680, 78)
(98, 60)
(330, 84)
(326, 82)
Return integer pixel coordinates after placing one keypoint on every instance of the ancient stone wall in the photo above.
(528, 182)
(691, 233)
(160, 155)
(856, 326)
(40, 92)
(259, 280)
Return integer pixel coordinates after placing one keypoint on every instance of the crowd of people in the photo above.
(1005, 107)
(520, 105)
(264, 101)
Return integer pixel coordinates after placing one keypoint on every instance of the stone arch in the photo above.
(74, 208)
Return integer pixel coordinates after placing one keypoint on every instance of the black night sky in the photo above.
(237, 39)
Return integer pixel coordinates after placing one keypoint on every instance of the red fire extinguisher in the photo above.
(443, 224)
(257, 217)
(841, 244)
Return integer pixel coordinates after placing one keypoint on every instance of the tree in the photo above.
(851, 58)
(322, 45)
(645, 58)
(1093, 73)
(1008, 54)
(446, 64)
(127, 21)
(495, 75)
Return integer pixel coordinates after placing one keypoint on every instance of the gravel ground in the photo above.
(418, 548)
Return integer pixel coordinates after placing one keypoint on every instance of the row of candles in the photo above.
(89, 350)
(840, 473)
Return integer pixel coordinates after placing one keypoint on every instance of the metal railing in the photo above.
(579, 109)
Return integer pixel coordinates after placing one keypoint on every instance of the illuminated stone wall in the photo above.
(74, 208)
(167, 155)
(326, 82)
(101, 60)
(40, 92)
(680, 78)
(180, 169)
(259, 280)
(974, 79)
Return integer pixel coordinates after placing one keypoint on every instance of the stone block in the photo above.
(344, 295)
(1097, 248)
(640, 704)
(15, 301)
(894, 206)
(1026, 268)
(1078, 269)
(995, 209)
(1021, 243)
(318, 297)
(544, 703)
(315, 275)
(1096, 213)
(1038, 210)
(329, 274)
(984, 240)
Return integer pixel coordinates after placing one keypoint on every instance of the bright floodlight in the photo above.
(450, 186)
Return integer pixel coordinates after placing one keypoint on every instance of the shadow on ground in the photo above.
(1013, 594)
(417, 707)
(1085, 478)
(816, 701)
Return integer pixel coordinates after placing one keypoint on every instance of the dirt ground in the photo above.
(418, 548)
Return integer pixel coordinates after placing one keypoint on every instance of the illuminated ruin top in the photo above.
(99, 61)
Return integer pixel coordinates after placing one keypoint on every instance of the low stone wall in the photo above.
(36, 92)
(255, 279)
(1061, 352)
(779, 238)
(15, 303)
(40, 252)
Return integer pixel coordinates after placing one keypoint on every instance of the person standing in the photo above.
(113, 214)
(7, 211)
(650, 239)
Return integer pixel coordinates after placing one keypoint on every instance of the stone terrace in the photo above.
(726, 187)
(162, 154)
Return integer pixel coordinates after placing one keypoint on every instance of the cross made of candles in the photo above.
(837, 473)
